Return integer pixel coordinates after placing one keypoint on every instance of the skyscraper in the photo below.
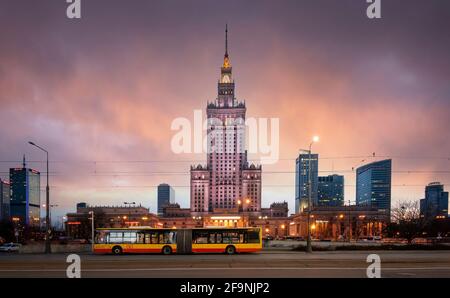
(302, 180)
(5, 198)
(166, 195)
(435, 203)
(330, 190)
(228, 181)
(373, 185)
(25, 194)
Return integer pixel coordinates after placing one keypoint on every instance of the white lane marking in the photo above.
(224, 268)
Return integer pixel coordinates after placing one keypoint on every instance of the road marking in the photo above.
(224, 268)
(406, 274)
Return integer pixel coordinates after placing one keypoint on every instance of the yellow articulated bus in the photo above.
(181, 241)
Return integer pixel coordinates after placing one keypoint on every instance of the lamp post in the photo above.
(349, 222)
(50, 209)
(63, 220)
(48, 249)
(308, 239)
(92, 229)
(129, 211)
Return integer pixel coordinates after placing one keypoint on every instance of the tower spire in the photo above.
(24, 163)
(226, 60)
(226, 40)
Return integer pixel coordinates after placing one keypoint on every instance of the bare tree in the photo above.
(405, 211)
(406, 220)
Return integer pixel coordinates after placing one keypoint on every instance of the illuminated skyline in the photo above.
(107, 87)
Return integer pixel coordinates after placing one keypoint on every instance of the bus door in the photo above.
(184, 241)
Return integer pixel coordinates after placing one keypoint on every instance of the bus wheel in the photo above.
(167, 250)
(230, 250)
(117, 250)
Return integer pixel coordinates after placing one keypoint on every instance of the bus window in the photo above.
(218, 238)
(200, 237)
(212, 238)
(252, 237)
(140, 238)
(167, 237)
(129, 237)
(232, 237)
(154, 237)
(147, 238)
(101, 237)
(115, 237)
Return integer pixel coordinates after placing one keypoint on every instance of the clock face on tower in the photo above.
(226, 79)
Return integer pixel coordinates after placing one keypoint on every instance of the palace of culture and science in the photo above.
(227, 183)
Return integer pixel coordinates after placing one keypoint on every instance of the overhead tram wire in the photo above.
(251, 159)
(186, 186)
(187, 173)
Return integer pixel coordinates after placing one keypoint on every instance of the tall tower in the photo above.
(25, 195)
(227, 181)
(373, 185)
(225, 96)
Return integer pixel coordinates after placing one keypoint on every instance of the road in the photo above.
(266, 264)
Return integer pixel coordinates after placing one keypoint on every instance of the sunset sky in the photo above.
(101, 92)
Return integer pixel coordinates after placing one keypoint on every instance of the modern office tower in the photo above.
(166, 196)
(302, 179)
(373, 185)
(228, 181)
(330, 190)
(5, 198)
(25, 195)
(435, 203)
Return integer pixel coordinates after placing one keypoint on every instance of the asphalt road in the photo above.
(268, 264)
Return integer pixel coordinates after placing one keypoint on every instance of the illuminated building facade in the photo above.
(5, 198)
(228, 182)
(330, 190)
(302, 179)
(340, 223)
(435, 203)
(25, 195)
(373, 185)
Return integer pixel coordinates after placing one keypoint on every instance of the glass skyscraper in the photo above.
(5, 197)
(373, 185)
(301, 181)
(25, 195)
(435, 202)
(330, 190)
(165, 196)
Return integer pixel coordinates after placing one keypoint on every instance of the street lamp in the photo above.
(63, 220)
(50, 209)
(129, 211)
(308, 240)
(48, 232)
(92, 229)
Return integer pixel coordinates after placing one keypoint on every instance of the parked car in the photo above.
(10, 247)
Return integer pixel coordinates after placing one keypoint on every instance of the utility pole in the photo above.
(92, 230)
(308, 239)
(349, 222)
(48, 232)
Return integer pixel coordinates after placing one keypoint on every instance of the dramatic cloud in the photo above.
(101, 92)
